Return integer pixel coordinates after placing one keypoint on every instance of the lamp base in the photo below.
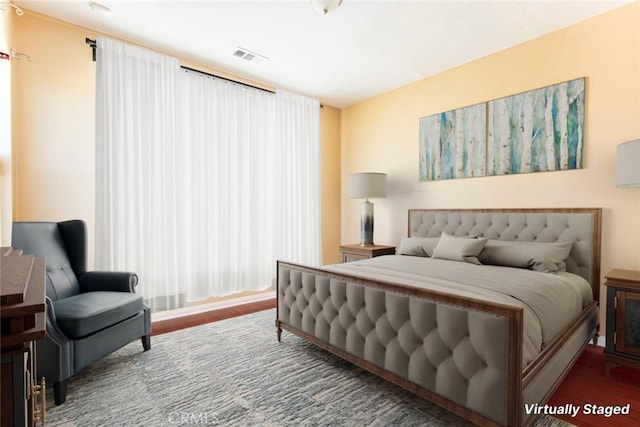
(366, 224)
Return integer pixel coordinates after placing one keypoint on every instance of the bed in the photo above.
(486, 342)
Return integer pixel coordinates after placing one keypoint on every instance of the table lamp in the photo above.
(367, 185)
(628, 164)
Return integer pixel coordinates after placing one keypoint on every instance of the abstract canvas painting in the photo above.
(452, 144)
(536, 131)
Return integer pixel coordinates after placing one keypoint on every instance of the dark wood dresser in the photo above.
(22, 311)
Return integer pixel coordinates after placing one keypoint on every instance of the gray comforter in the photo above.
(550, 301)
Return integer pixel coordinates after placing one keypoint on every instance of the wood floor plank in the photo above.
(587, 384)
(170, 325)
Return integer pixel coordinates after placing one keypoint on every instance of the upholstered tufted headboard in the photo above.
(579, 225)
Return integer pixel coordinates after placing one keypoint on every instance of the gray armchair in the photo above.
(89, 314)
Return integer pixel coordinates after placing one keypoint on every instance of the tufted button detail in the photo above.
(437, 346)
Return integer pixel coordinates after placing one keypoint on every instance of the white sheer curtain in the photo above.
(136, 192)
(298, 178)
(201, 184)
(227, 139)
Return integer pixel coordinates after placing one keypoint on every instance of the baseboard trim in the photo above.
(169, 325)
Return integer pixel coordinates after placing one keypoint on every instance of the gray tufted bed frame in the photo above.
(496, 392)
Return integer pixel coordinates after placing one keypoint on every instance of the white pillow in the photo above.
(459, 248)
(544, 257)
(418, 246)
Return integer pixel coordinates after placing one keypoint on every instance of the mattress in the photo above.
(550, 301)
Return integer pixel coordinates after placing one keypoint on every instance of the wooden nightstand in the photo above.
(350, 253)
(623, 319)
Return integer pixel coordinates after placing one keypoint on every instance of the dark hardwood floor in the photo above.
(169, 325)
(587, 384)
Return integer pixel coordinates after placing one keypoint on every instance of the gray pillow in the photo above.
(544, 257)
(459, 248)
(418, 246)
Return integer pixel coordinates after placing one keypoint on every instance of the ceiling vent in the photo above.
(249, 56)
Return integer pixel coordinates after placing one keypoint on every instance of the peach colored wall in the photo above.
(54, 168)
(6, 206)
(330, 152)
(54, 135)
(381, 134)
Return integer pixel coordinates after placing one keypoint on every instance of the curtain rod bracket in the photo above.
(92, 44)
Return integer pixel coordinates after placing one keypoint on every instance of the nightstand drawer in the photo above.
(346, 256)
(350, 253)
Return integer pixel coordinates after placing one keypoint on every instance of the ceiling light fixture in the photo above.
(97, 7)
(324, 6)
(5, 5)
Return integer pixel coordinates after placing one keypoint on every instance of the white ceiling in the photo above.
(362, 49)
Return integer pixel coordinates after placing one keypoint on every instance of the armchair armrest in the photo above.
(54, 333)
(116, 281)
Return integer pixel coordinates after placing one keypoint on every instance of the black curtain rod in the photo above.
(226, 79)
(92, 44)
(230, 80)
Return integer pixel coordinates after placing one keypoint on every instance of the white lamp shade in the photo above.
(628, 165)
(367, 185)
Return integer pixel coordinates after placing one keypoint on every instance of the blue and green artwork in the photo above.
(452, 144)
(535, 131)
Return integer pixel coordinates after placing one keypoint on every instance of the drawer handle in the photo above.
(40, 411)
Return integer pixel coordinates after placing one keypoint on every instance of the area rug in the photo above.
(235, 373)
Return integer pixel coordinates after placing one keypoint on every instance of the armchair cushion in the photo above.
(115, 281)
(86, 313)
